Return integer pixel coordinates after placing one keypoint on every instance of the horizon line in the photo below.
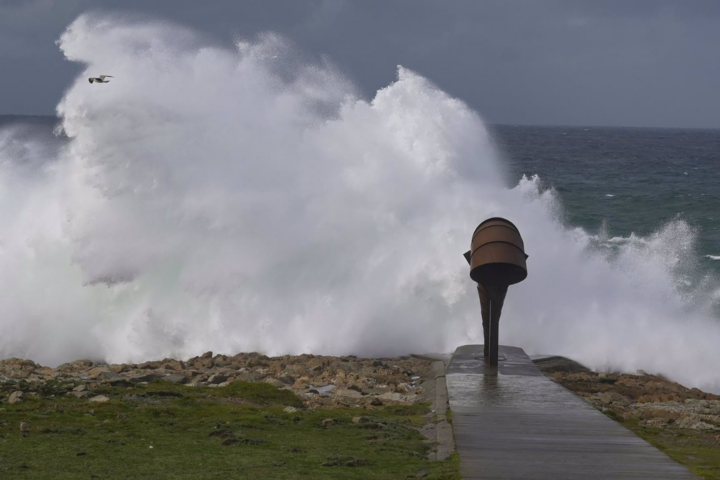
(489, 124)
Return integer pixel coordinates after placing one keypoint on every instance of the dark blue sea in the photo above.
(625, 181)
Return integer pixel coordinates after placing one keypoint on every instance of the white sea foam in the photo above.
(713, 257)
(234, 199)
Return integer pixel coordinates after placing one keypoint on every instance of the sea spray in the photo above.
(236, 199)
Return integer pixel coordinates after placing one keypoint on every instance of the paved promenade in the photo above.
(512, 423)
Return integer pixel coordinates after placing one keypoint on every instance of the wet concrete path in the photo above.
(511, 422)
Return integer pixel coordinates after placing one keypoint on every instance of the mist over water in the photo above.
(237, 199)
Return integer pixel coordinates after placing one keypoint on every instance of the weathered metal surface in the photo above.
(497, 253)
(492, 298)
(511, 422)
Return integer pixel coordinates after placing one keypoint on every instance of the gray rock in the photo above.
(346, 393)
(24, 427)
(80, 388)
(221, 361)
(95, 372)
(274, 382)
(99, 399)
(694, 424)
(216, 379)
(170, 364)
(394, 397)
(246, 376)
(176, 378)
(404, 388)
(15, 397)
(286, 379)
(109, 377)
(146, 377)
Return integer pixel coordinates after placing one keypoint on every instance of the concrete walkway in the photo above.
(511, 422)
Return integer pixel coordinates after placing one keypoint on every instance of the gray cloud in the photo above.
(643, 63)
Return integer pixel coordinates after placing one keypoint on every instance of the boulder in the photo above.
(176, 378)
(221, 361)
(216, 379)
(95, 372)
(15, 397)
(17, 368)
(404, 388)
(99, 399)
(143, 377)
(122, 368)
(174, 365)
(274, 382)
(76, 366)
(393, 397)
(202, 363)
(149, 365)
(296, 370)
(110, 377)
(245, 376)
(286, 379)
(347, 393)
(45, 372)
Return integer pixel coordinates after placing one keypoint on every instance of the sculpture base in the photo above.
(511, 361)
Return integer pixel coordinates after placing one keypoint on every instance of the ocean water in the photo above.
(246, 201)
(625, 181)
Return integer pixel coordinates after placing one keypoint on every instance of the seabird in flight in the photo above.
(100, 79)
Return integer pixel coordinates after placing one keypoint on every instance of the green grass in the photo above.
(699, 451)
(235, 432)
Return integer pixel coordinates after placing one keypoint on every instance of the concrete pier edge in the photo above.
(442, 438)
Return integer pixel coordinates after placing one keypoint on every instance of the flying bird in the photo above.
(100, 79)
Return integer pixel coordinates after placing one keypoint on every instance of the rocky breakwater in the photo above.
(648, 400)
(319, 381)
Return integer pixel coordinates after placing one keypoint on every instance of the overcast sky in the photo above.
(545, 62)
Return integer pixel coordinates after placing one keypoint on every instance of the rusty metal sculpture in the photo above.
(497, 260)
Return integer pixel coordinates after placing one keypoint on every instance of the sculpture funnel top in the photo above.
(497, 254)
